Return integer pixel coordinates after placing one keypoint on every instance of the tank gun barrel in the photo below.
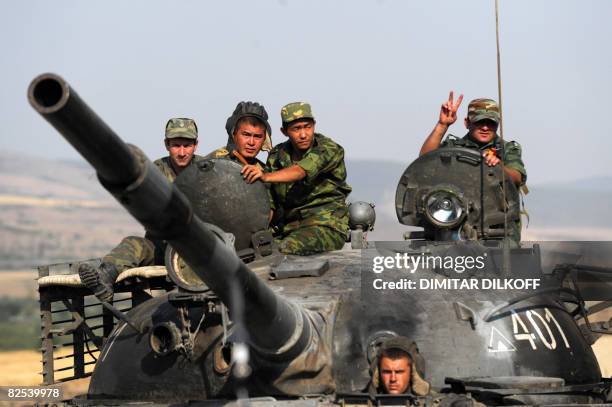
(53, 98)
(275, 325)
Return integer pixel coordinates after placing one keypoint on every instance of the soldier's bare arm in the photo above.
(448, 116)
(290, 174)
(516, 176)
(252, 173)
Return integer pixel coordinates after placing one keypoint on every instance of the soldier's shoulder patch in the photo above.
(452, 140)
(221, 152)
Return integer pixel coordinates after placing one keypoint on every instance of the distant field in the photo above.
(20, 367)
(23, 367)
(18, 284)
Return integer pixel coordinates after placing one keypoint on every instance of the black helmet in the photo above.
(249, 109)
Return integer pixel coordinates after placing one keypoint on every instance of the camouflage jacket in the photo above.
(226, 152)
(510, 153)
(165, 166)
(319, 198)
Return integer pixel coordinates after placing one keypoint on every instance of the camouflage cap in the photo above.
(181, 127)
(295, 111)
(481, 109)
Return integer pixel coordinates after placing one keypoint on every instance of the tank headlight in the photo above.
(444, 209)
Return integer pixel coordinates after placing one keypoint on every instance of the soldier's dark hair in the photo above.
(253, 121)
(395, 353)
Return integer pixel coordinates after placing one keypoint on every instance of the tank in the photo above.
(288, 330)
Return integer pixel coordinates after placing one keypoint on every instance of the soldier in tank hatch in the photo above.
(482, 122)
(181, 142)
(398, 369)
(308, 186)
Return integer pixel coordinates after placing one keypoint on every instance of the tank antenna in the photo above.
(506, 248)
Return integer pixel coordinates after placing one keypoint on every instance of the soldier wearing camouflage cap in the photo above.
(482, 121)
(181, 141)
(308, 186)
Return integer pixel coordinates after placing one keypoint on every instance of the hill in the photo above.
(55, 210)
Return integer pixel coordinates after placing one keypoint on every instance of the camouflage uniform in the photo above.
(135, 251)
(313, 213)
(165, 166)
(509, 151)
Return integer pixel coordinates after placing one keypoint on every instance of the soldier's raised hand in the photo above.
(448, 111)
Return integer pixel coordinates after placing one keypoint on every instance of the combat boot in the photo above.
(99, 280)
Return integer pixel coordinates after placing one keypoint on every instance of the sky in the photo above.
(375, 72)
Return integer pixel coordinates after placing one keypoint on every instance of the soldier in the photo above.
(396, 369)
(308, 186)
(482, 122)
(248, 133)
(181, 141)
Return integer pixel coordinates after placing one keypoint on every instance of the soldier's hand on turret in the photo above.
(448, 111)
(251, 173)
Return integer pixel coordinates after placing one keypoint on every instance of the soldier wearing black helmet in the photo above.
(181, 142)
(248, 133)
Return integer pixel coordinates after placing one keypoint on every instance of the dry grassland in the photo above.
(18, 284)
(22, 368)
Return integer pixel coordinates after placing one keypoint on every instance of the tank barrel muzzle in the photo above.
(52, 97)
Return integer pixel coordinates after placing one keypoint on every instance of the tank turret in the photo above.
(453, 195)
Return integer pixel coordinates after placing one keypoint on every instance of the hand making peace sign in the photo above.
(448, 111)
